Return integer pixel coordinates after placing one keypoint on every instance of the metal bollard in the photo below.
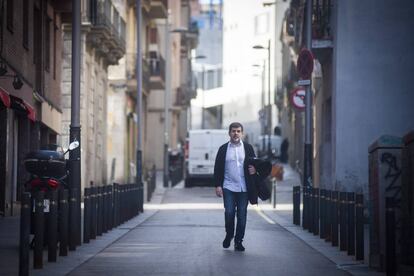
(342, 222)
(110, 208)
(322, 213)
(296, 205)
(63, 222)
(115, 202)
(351, 223)
(72, 219)
(359, 227)
(104, 209)
(99, 211)
(24, 239)
(335, 212)
(86, 215)
(328, 212)
(310, 209)
(390, 238)
(52, 238)
(274, 194)
(39, 230)
(305, 207)
(316, 205)
(93, 213)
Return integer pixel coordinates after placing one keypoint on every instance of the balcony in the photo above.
(158, 9)
(321, 24)
(107, 29)
(131, 78)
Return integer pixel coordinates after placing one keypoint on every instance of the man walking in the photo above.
(234, 182)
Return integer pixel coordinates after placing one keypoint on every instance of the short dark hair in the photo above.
(235, 125)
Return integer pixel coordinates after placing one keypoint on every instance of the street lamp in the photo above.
(262, 122)
(202, 108)
(168, 33)
(269, 107)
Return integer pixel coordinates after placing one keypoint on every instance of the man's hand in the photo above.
(219, 191)
(251, 169)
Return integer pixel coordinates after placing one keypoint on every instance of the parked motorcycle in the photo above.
(49, 171)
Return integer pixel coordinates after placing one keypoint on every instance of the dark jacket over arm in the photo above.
(219, 167)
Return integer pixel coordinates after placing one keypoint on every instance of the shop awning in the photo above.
(23, 107)
(31, 113)
(5, 97)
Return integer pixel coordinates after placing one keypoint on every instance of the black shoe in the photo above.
(226, 242)
(238, 246)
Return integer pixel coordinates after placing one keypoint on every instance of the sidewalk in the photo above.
(9, 243)
(283, 215)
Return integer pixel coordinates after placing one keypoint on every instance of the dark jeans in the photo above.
(235, 202)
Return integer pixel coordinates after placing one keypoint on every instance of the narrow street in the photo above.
(184, 236)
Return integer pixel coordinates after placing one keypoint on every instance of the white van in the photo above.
(200, 152)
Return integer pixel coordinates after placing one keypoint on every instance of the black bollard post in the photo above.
(93, 213)
(110, 208)
(115, 202)
(390, 237)
(328, 212)
(305, 208)
(342, 222)
(351, 223)
(39, 230)
(316, 205)
(310, 209)
(99, 211)
(63, 222)
(24, 242)
(322, 213)
(296, 205)
(104, 209)
(86, 215)
(52, 238)
(72, 219)
(335, 212)
(359, 227)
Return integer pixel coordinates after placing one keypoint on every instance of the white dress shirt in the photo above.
(233, 168)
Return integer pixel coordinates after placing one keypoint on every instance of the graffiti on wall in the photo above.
(392, 175)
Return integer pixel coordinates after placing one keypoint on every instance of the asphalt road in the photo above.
(184, 238)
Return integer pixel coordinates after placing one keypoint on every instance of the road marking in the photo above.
(264, 216)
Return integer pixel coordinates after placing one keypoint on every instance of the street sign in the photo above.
(304, 82)
(297, 98)
(304, 65)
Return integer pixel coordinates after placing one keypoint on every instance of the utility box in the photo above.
(384, 181)
(407, 206)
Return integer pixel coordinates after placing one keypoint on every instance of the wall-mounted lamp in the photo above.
(17, 82)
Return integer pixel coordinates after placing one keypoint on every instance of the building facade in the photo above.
(30, 92)
(360, 84)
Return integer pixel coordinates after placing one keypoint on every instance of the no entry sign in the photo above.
(305, 64)
(297, 98)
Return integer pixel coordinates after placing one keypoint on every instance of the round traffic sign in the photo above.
(297, 98)
(304, 65)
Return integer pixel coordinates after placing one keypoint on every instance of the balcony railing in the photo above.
(321, 20)
(131, 65)
(107, 24)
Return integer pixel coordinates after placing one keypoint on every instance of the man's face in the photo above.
(236, 134)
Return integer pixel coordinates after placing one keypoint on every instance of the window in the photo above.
(261, 24)
(10, 15)
(26, 24)
(55, 38)
(47, 43)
